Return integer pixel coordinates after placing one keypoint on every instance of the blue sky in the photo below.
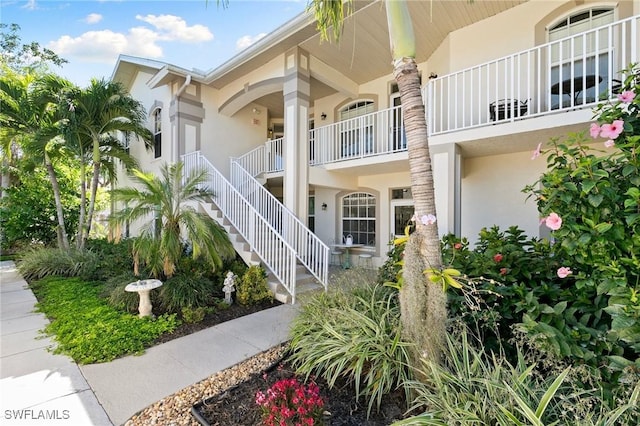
(189, 33)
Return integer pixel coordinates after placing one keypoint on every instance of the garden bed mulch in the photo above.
(236, 388)
(219, 316)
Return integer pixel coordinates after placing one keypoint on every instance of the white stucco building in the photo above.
(317, 126)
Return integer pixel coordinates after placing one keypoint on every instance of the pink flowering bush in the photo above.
(291, 403)
(590, 199)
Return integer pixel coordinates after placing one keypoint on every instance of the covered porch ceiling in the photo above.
(363, 52)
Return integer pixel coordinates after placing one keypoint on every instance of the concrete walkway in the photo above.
(35, 383)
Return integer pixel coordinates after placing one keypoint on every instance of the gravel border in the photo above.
(175, 409)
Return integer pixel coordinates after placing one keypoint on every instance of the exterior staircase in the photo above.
(260, 241)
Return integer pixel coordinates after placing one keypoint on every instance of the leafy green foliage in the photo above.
(511, 276)
(252, 288)
(112, 259)
(470, 387)
(353, 336)
(27, 210)
(597, 197)
(186, 291)
(89, 330)
(19, 56)
(165, 203)
(39, 263)
(193, 315)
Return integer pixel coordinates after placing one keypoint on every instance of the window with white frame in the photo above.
(359, 218)
(356, 128)
(580, 54)
(157, 133)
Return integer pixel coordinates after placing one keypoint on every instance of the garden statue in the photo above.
(229, 287)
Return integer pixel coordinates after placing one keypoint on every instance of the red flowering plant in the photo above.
(291, 403)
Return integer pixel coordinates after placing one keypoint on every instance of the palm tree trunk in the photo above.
(423, 304)
(92, 200)
(62, 231)
(83, 206)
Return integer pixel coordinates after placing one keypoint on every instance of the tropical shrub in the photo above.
(87, 329)
(471, 387)
(193, 315)
(185, 291)
(509, 275)
(165, 203)
(42, 262)
(252, 288)
(354, 336)
(28, 211)
(112, 259)
(591, 200)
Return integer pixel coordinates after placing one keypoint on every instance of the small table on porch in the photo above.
(577, 84)
(347, 256)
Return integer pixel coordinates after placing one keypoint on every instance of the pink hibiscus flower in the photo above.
(613, 130)
(564, 272)
(609, 144)
(594, 130)
(553, 221)
(537, 152)
(626, 96)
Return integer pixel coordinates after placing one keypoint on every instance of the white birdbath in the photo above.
(143, 287)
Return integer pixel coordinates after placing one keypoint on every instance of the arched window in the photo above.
(157, 132)
(356, 129)
(580, 52)
(359, 218)
(579, 22)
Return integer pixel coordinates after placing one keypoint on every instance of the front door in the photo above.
(401, 214)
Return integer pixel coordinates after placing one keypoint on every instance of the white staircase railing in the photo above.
(310, 250)
(262, 237)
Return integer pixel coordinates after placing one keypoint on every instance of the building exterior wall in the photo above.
(492, 193)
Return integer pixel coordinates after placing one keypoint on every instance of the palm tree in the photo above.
(166, 204)
(423, 305)
(95, 116)
(29, 114)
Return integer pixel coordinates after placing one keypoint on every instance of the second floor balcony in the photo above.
(569, 74)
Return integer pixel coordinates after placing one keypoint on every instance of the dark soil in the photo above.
(237, 406)
(219, 316)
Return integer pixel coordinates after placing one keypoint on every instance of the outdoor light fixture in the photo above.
(323, 116)
(324, 206)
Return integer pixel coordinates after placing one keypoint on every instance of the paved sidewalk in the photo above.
(35, 383)
(37, 387)
(127, 385)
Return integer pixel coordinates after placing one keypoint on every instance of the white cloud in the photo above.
(174, 28)
(93, 18)
(31, 5)
(104, 46)
(246, 41)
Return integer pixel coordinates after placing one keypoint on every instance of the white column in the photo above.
(296, 135)
(447, 175)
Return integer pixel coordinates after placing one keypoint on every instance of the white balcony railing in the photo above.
(574, 72)
(261, 236)
(380, 132)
